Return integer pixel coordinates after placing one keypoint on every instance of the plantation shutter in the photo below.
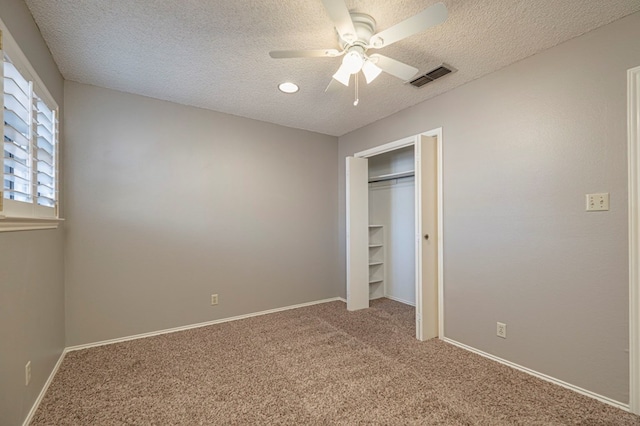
(17, 134)
(46, 133)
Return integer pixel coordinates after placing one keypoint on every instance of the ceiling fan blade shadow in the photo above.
(395, 68)
(430, 17)
(339, 14)
(317, 53)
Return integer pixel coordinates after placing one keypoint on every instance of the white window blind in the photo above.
(17, 135)
(30, 146)
(46, 137)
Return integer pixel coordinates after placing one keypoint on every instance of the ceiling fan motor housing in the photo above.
(365, 27)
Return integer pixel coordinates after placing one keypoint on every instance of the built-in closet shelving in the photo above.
(376, 255)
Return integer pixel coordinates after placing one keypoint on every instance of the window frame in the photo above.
(20, 215)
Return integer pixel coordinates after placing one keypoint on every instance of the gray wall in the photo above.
(522, 147)
(168, 204)
(31, 281)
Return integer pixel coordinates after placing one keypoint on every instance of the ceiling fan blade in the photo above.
(395, 68)
(339, 14)
(318, 53)
(428, 18)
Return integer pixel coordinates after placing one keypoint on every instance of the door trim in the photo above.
(437, 133)
(633, 150)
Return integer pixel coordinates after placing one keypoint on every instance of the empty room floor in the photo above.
(314, 365)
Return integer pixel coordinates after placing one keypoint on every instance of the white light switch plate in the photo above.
(598, 202)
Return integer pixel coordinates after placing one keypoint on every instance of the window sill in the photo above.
(9, 224)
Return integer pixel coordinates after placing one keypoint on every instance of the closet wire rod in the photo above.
(391, 176)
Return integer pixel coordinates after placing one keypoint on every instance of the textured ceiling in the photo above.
(215, 54)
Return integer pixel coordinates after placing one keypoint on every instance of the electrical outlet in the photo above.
(502, 330)
(214, 299)
(598, 202)
(27, 374)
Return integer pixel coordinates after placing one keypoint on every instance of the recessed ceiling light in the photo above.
(288, 87)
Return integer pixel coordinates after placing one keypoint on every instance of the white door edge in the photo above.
(357, 233)
(633, 147)
(419, 283)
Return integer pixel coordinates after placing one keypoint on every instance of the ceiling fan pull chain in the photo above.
(356, 100)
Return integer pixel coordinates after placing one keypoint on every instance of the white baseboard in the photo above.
(397, 299)
(198, 325)
(43, 391)
(542, 376)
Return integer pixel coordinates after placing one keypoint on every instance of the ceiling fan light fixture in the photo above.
(288, 87)
(342, 75)
(353, 62)
(370, 71)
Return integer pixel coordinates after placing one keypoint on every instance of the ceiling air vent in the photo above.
(432, 75)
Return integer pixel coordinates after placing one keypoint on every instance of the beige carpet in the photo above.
(311, 366)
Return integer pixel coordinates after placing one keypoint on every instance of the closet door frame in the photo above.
(424, 330)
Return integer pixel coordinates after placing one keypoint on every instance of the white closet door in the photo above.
(426, 151)
(357, 233)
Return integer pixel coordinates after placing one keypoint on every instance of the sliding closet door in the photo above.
(426, 151)
(357, 233)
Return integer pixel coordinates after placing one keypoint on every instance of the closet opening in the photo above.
(393, 228)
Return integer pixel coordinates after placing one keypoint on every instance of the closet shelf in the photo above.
(376, 260)
(391, 176)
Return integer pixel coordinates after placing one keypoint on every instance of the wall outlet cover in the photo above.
(501, 330)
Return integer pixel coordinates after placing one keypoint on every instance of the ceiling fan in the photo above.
(357, 34)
